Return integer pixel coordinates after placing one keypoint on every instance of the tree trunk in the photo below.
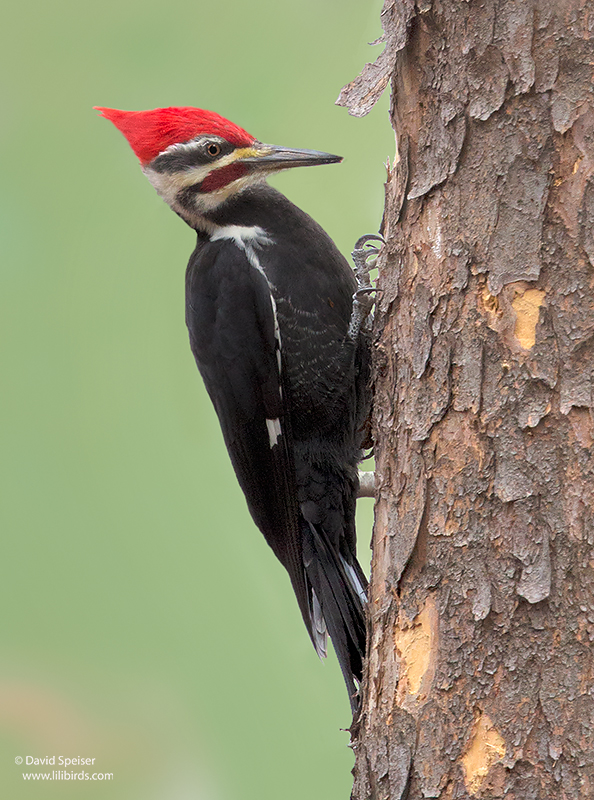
(480, 676)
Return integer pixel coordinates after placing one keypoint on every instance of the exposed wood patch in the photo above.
(416, 646)
(485, 748)
(527, 305)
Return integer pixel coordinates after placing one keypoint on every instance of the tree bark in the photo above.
(480, 672)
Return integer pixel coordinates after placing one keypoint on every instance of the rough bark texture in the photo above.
(480, 677)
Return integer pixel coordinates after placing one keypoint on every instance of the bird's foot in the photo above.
(362, 299)
(361, 254)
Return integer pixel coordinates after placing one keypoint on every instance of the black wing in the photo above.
(230, 316)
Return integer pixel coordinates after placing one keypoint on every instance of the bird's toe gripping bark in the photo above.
(362, 299)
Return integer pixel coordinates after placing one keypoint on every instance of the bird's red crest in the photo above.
(151, 132)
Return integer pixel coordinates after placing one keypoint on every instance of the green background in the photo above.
(144, 620)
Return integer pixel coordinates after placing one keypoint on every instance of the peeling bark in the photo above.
(480, 675)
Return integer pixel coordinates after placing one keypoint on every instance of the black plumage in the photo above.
(301, 491)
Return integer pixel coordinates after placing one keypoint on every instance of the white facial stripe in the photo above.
(196, 174)
(169, 184)
(187, 147)
(239, 152)
(211, 200)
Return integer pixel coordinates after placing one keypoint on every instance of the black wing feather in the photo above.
(230, 318)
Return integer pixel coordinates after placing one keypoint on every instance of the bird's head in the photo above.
(197, 159)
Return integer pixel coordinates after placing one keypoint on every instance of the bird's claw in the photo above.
(362, 300)
(369, 237)
(362, 252)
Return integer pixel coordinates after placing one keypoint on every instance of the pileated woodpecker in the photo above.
(269, 306)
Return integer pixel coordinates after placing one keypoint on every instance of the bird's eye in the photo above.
(213, 149)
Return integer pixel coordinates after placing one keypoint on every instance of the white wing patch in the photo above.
(274, 430)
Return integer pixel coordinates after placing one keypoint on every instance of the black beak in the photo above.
(270, 157)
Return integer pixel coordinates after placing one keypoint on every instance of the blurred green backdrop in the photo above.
(145, 622)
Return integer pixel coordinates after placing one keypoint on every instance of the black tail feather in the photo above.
(338, 587)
